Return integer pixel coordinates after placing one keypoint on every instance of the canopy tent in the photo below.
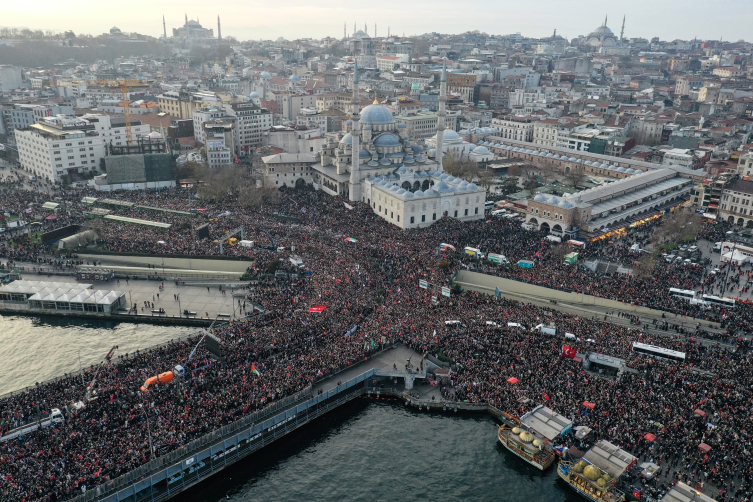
(735, 257)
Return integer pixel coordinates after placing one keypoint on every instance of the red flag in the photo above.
(569, 352)
(319, 308)
(546, 397)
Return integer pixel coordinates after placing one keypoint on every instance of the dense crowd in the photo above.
(372, 284)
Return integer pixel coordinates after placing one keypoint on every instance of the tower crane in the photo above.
(116, 82)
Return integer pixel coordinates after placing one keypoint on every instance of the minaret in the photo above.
(622, 31)
(186, 20)
(388, 32)
(441, 115)
(354, 29)
(219, 30)
(354, 185)
(164, 27)
(375, 32)
(605, 20)
(345, 31)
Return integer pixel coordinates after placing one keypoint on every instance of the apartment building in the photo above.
(515, 127)
(545, 132)
(737, 203)
(251, 122)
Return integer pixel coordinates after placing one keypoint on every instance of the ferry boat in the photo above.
(596, 474)
(529, 437)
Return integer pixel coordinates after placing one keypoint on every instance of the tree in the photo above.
(644, 268)
(454, 165)
(576, 175)
(678, 226)
(558, 252)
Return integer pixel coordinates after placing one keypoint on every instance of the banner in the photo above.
(569, 352)
(446, 291)
(319, 308)
(351, 330)
(423, 284)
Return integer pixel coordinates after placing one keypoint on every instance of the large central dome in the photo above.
(376, 115)
(602, 31)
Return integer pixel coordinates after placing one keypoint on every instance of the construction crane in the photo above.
(117, 82)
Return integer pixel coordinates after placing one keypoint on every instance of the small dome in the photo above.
(630, 171)
(572, 159)
(542, 154)
(418, 193)
(536, 443)
(589, 163)
(265, 74)
(347, 139)
(253, 95)
(554, 200)
(565, 205)
(526, 437)
(364, 154)
(601, 482)
(516, 430)
(402, 125)
(549, 156)
(472, 186)
(556, 157)
(480, 150)
(295, 78)
(591, 472)
(621, 169)
(540, 198)
(408, 195)
(638, 171)
(385, 162)
(442, 187)
(387, 140)
(401, 191)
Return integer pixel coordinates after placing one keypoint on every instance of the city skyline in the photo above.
(299, 19)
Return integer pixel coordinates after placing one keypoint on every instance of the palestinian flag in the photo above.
(351, 239)
(254, 370)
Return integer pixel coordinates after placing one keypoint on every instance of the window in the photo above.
(412, 219)
(434, 216)
(456, 213)
(423, 218)
(476, 211)
(466, 212)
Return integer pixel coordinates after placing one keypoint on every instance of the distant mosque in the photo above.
(602, 37)
(193, 30)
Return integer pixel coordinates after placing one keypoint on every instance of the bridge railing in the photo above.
(216, 441)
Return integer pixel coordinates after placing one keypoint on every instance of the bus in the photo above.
(685, 294)
(722, 302)
(658, 352)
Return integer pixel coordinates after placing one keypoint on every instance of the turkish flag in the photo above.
(546, 397)
(319, 308)
(568, 352)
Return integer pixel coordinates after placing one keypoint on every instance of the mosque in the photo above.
(377, 161)
(193, 29)
(602, 37)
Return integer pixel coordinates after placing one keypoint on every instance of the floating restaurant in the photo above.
(61, 296)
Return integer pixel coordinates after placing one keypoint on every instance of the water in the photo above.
(372, 450)
(366, 450)
(34, 349)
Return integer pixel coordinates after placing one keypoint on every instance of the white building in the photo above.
(678, 157)
(515, 127)
(112, 130)
(289, 169)
(220, 144)
(421, 124)
(452, 145)
(204, 115)
(299, 139)
(252, 121)
(54, 148)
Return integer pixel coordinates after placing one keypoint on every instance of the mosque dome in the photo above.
(554, 200)
(364, 154)
(450, 135)
(516, 430)
(387, 140)
(347, 139)
(419, 193)
(565, 204)
(295, 78)
(194, 24)
(253, 95)
(601, 31)
(376, 115)
(630, 171)
(540, 198)
(265, 74)
(621, 169)
(536, 443)
(480, 150)
(360, 34)
(442, 187)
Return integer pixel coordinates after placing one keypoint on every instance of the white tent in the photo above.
(736, 257)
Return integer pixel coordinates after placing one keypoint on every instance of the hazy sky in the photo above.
(668, 19)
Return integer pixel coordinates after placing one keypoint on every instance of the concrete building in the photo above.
(220, 144)
(421, 124)
(58, 146)
(678, 157)
(205, 115)
(294, 140)
(252, 121)
(610, 209)
(181, 104)
(545, 132)
(515, 127)
(737, 203)
(289, 169)
(684, 84)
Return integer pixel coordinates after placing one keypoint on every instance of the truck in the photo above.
(55, 417)
(498, 258)
(475, 252)
(296, 261)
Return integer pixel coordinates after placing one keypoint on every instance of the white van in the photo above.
(553, 238)
(499, 212)
(475, 252)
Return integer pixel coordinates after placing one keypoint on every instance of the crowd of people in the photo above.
(366, 274)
